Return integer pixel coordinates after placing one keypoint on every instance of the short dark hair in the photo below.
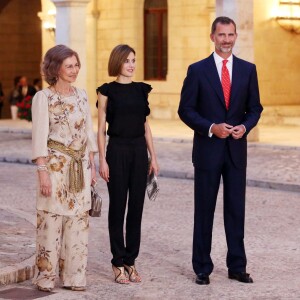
(117, 58)
(53, 60)
(36, 81)
(222, 20)
(17, 80)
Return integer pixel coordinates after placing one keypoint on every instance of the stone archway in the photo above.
(20, 39)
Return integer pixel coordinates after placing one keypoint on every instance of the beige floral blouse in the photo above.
(66, 120)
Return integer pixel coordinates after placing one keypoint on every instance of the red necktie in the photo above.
(225, 78)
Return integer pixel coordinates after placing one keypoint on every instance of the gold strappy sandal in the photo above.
(120, 276)
(133, 274)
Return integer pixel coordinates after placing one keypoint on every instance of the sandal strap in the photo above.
(133, 273)
(121, 277)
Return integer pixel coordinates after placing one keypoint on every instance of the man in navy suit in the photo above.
(221, 117)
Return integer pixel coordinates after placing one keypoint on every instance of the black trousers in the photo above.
(128, 166)
(207, 184)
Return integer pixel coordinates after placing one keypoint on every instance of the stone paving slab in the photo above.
(17, 246)
(22, 294)
(276, 167)
(12, 229)
(272, 226)
(269, 166)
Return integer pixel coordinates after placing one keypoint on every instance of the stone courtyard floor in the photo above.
(271, 237)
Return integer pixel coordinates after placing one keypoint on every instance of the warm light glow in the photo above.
(48, 21)
(48, 25)
(51, 12)
(288, 15)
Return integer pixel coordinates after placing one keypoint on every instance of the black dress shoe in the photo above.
(202, 278)
(240, 276)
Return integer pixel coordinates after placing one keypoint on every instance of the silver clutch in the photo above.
(95, 210)
(152, 186)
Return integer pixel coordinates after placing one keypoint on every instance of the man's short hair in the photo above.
(222, 20)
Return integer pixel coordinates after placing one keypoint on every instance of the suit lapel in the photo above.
(234, 81)
(213, 78)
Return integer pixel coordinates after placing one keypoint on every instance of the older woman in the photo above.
(63, 147)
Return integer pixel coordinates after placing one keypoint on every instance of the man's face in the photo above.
(23, 81)
(224, 39)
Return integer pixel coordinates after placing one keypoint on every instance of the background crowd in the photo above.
(19, 98)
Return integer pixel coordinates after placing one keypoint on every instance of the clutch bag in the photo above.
(152, 186)
(95, 210)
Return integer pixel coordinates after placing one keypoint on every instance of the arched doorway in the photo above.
(21, 46)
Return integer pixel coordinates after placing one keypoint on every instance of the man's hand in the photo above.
(238, 131)
(222, 130)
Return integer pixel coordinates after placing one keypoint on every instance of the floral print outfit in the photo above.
(62, 228)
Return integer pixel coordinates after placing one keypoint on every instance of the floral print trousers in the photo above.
(63, 241)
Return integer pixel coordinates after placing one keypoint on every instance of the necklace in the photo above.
(62, 95)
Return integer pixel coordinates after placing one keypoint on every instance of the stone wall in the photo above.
(20, 40)
(276, 51)
(188, 41)
(277, 56)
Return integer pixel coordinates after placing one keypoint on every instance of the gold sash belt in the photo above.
(76, 178)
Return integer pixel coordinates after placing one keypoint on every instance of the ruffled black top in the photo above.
(127, 108)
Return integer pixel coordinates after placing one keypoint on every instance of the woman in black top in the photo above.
(124, 106)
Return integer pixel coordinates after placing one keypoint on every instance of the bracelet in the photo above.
(42, 168)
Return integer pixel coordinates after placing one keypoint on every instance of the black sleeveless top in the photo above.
(127, 108)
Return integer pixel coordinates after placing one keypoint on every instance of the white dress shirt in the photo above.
(219, 64)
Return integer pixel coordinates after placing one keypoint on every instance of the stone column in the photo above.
(242, 13)
(71, 31)
(93, 15)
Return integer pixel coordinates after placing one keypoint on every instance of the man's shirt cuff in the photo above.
(210, 134)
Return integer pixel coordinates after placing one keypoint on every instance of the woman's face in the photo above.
(128, 66)
(69, 69)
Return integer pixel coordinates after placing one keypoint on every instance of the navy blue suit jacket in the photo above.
(202, 103)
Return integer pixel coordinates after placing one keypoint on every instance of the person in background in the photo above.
(123, 104)
(25, 88)
(20, 91)
(15, 97)
(220, 102)
(63, 147)
(37, 84)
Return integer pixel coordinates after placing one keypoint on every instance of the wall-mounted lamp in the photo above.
(48, 20)
(288, 16)
(49, 27)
